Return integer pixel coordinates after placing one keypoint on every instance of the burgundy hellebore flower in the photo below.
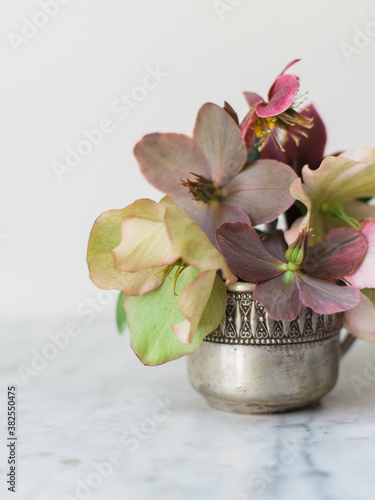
(288, 281)
(266, 120)
(207, 176)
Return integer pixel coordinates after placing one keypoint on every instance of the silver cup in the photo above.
(253, 364)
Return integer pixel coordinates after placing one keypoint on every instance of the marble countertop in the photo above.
(93, 422)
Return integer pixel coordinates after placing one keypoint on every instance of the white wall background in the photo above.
(66, 78)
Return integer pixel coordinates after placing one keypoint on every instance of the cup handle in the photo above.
(346, 343)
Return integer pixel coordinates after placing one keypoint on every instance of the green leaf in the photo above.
(120, 314)
(151, 316)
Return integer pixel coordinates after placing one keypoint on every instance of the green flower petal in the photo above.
(105, 236)
(151, 317)
(192, 244)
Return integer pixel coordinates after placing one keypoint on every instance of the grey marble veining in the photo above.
(95, 401)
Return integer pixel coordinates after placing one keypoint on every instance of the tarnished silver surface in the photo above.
(253, 364)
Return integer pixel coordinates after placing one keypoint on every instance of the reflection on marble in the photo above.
(96, 415)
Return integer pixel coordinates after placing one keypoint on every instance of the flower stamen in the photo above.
(181, 266)
(201, 189)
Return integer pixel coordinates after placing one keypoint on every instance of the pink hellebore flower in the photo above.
(266, 120)
(284, 286)
(207, 176)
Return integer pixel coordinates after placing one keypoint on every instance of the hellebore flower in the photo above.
(360, 321)
(287, 281)
(267, 120)
(310, 149)
(331, 193)
(138, 250)
(207, 176)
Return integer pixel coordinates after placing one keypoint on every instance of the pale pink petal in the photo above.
(364, 274)
(292, 233)
(210, 216)
(362, 155)
(144, 244)
(166, 159)
(262, 190)
(360, 321)
(220, 139)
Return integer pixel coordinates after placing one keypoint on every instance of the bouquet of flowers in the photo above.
(256, 201)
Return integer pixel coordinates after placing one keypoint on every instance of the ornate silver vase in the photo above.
(253, 364)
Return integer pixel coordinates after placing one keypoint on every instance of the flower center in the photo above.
(288, 123)
(201, 189)
(180, 265)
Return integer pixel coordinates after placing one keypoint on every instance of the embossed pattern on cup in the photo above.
(253, 364)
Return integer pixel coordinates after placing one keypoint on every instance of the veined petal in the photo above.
(262, 190)
(280, 297)
(193, 302)
(209, 216)
(281, 97)
(166, 159)
(150, 321)
(192, 244)
(276, 245)
(325, 297)
(105, 236)
(358, 209)
(336, 255)
(360, 321)
(144, 244)
(364, 274)
(319, 182)
(355, 182)
(246, 254)
(220, 140)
